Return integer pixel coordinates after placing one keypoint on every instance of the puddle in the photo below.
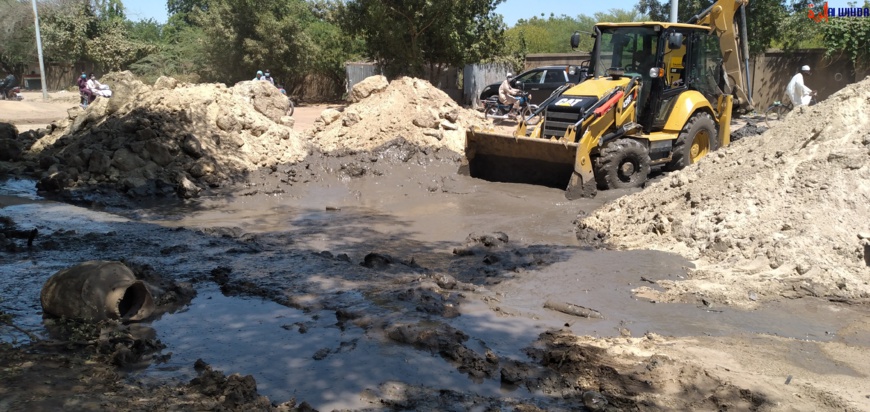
(603, 280)
(261, 338)
(23, 188)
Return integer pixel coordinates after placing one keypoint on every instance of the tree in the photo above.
(185, 6)
(406, 36)
(796, 31)
(284, 36)
(17, 41)
(763, 17)
(849, 36)
(552, 35)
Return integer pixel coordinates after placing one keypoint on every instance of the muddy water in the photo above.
(308, 354)
(294, 354)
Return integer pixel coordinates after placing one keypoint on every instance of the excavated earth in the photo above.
(397, 284)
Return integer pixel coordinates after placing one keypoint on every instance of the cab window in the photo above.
(631, 49)
(555, 76)
(531, 77)
(705, 72)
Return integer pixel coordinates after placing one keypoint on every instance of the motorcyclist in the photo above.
(268, 77)
(507, 94)
(7, 83)
(82, 82)
(97, 88)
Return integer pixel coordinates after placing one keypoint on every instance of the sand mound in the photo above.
(168, 139)
(407, 108)
(782, 214)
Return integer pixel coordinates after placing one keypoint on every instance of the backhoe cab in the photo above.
(660, 94)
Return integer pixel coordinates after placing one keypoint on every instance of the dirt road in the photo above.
(380, 279)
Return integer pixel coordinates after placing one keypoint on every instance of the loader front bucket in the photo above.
(501, 158)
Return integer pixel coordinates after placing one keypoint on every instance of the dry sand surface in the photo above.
(784, 214)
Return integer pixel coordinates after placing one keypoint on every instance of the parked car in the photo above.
(541, 81)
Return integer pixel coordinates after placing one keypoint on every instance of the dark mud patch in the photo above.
(752, 128)
(600, 381)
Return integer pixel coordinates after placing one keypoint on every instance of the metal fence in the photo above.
(357, 72)
(476, 76)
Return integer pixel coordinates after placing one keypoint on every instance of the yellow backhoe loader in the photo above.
(658, 94)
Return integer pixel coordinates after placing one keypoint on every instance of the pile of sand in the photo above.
(167, 139)
(406, 108)
(781, 214)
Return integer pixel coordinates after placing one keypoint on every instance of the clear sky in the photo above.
(512, 10)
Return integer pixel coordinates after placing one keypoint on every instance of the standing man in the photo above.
(797, 91)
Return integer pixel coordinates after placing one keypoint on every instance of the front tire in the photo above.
(491, 111)
(697, 139)
(623, 163)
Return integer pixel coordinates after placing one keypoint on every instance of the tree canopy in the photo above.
(229, 40)
(408, 36)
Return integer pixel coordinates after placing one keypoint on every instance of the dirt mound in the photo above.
(169, 139)
(781, 214)
(408, 108)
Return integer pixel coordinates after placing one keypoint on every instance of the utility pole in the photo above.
(39, 48)
(674, 11)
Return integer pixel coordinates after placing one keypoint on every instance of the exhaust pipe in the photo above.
(95, 291)
(499, 116)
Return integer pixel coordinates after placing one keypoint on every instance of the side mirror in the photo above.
(575, 40)
(675, 41)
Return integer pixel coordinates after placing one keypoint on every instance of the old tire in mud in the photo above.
(623, 163)
(696, 140)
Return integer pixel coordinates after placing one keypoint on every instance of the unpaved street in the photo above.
(345, 264)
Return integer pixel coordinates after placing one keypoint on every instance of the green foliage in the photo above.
(407, 37)
(246, 36)
(796, 31)
(66, 29)
(185, 6)
(17, 41)
(849, 36)
(552, 35)
(763, 17)
(113, 48)
(109, 9)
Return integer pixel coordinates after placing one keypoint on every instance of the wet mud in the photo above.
(382, 281)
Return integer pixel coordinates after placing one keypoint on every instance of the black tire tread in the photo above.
(611, 156)
(681, 156)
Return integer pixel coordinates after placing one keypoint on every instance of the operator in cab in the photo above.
(506, 94)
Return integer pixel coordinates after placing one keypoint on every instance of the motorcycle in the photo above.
(493, 109)
(13, 93)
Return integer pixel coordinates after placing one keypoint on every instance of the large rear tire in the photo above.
(623, 163)
(291, 108)
(697, 139)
